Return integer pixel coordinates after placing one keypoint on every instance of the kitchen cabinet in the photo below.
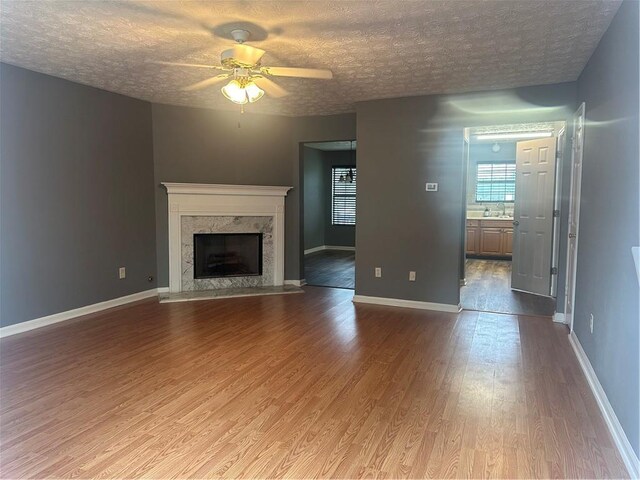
(490, 241)
(473, 237)
(489, 237)
(507, 241)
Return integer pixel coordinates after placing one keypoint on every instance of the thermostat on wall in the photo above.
(432, 187)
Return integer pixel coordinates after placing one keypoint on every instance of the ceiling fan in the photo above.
(249, 79)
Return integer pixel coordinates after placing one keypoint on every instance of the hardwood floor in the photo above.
(331, 268)
(296, 386)
(488, 289)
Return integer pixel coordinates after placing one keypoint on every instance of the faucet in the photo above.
(501, 205)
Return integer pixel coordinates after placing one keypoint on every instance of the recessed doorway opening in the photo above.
(512, 217)
(329, 213)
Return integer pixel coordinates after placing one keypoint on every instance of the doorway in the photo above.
(512, 218)
(574, 212)
(329, 213)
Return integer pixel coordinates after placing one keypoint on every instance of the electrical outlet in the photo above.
(591, 322)
(122, 273)
(378, 272)
(412, 276)
(431, 187)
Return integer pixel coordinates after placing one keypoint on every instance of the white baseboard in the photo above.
(558, 317)
(340, 247)
(163, 289)
(397, 302)
(329, 247)
(619, 437)
(76, 312)
(296, 283)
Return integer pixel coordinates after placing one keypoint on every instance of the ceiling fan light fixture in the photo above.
(250, 79)
(253, 92)
(235, 92)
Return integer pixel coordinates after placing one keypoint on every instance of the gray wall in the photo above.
(199, 145)
(315, 192)
(318, 229)
(420, 139)
(337, 235)
(76, 195)
(606, 283)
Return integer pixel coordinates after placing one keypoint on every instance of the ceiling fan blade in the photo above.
(247, 54)
(206, 83)
(269, 86)
(298, 72)
(189, 65)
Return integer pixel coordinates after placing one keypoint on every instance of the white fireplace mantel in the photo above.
(197, 199)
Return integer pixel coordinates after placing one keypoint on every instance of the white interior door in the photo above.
(574, 211)
(533, 216)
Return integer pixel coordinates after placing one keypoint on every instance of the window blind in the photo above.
(343, 197)
(496, 182)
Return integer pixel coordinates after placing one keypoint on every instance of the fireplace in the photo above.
(217, 255)
(196, 209)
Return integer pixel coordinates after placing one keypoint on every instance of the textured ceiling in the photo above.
(513, 127)
(333, 146)
(376, 49)
(472, 132)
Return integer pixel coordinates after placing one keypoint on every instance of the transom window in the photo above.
(343, 195)
(496, 182)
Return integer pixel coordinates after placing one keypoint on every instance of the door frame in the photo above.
(575, 194)
(301, 210)
(462, 270)
(560, 132)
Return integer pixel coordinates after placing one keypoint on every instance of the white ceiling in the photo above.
(376, 49)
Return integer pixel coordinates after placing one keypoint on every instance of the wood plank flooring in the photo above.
(488, 289)
(298, 386)
(331, 268)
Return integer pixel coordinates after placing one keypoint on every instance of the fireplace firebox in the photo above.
(227, 255)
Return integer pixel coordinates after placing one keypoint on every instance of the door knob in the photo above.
(572, 235)
(516, 222)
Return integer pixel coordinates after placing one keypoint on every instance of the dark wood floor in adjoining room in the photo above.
(488, 289)
(298, 386)
(331, 268)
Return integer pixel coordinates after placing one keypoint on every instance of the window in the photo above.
(496, 182)
(343, 196)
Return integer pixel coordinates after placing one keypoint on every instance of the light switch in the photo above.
(432, 187)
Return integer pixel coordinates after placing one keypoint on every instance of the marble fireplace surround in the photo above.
(213, 200)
